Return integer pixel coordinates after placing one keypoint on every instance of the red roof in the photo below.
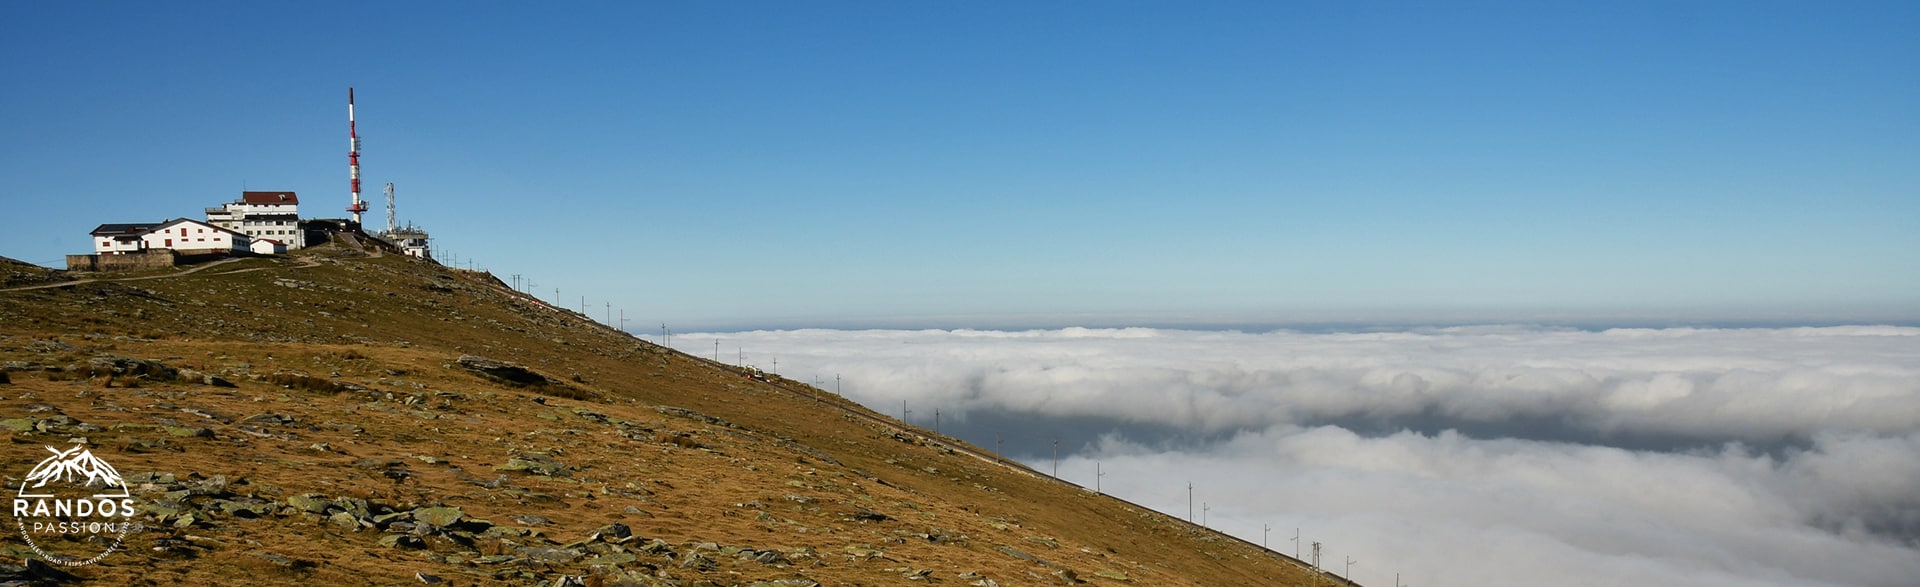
(259, 198)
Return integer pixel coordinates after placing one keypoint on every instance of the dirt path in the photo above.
(141, 278)
(304, 263)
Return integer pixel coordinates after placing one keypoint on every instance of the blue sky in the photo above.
(734, 164)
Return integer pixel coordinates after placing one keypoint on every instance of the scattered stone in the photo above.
(1067, 575)
(428, 579)
(268, 418)
(615, 531)
(246, 508)
(278, 560)
(309, 503)
(376, 464)
(353, 506)
(49, 346)
(1111, 574)
(1017, 553)
(698, 562)
(189, 432)
(558, 556)
(533, 520)
(438, 516)
(615, 559)
(118, 365)
(402, 541)
(215, 486)
(770, 557)
(344, 520)
(535, 464)
(507, 373)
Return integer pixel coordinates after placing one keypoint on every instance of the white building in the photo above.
(411, 239)
(194, 237)
(117, 239)
(267, 246)
(272, 215)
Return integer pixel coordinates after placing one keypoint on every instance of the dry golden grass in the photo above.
(357, 356)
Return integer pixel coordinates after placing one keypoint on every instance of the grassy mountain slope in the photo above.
(343, 418)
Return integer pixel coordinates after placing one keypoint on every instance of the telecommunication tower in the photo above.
(353, 161)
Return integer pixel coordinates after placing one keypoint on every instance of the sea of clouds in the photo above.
(1497, 455)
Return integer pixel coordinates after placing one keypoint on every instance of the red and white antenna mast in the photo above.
(353, 160)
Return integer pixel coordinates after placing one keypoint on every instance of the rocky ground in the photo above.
(337, 418)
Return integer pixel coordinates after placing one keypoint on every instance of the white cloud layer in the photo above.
(1784, 456)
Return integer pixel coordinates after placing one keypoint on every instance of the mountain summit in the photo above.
(348, 416)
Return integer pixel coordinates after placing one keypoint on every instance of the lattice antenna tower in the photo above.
(391, 223)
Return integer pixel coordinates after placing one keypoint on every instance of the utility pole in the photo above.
(936, 414)
(1396, 580)
(1189, 502)
(836, 384)
(1264, 531)
(1296, 543)
(583, 306)
(1096, 477)
(1349, 574)
(996, 445)
(1204, 508)
(1056, 458)
(1316, 556)
(716, 350)
(623, 320)
(776, 366)
(609, 312)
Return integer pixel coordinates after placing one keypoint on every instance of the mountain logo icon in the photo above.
(65, 465)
